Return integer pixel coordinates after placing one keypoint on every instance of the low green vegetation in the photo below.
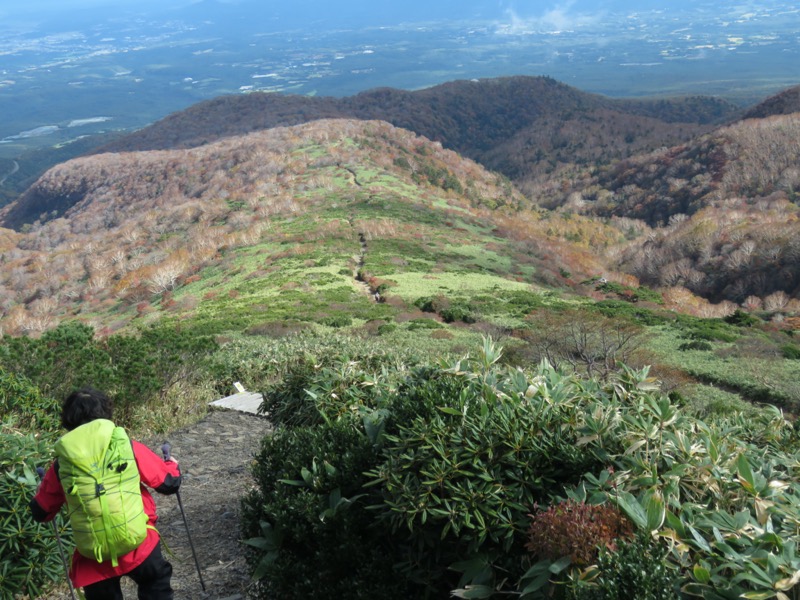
(29, 559)
(746, 361)
(402, 467)
(405, 480)
(138, 371)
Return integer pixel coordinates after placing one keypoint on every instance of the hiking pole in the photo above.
(40, 471)
(165, 450)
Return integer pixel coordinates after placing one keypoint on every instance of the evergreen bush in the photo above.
(791, 351)
(635, 569)
(29, 556)
(386, 328)
(741, 319)
(430, 481)
(132, 369)
(458, 312)
(417, 324)
(23, 406)
(337, 321)
(310, 509)
(695, 345)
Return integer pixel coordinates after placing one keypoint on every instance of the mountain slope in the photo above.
(291, 223)
(724, 209)
(783, 103)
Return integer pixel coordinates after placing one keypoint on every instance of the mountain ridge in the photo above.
(131, 229)
(473, 118)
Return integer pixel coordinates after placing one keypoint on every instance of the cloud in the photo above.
(560, 17)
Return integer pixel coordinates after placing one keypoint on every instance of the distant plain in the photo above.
(61, 82)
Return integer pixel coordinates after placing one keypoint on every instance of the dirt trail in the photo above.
(214, 455)
(13, 170)
(357, 274)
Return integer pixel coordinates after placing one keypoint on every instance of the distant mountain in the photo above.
(784, 103)
(518, 126)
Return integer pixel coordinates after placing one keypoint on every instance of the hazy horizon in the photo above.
(84, 66)
(365, 12)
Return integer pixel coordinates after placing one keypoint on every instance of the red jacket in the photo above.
(163, 477)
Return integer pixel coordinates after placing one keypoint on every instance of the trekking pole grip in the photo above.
(165, 450)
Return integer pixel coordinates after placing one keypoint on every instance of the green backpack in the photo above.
(100, 478)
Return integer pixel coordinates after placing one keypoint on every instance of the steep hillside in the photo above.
(723, 208)
(500, 123)
(279, 224)
(18, 174)
(784, 103)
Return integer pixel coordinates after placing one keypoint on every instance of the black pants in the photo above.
(152, 578)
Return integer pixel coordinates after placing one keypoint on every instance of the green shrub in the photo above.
(630, 294)
(636, 568)
(310, 510)
(386, 328)
(450, 311)
(711, 330)
(637, 314)
(695, 345)
(416, 324)
(648, 295)
(423, 486)
(402, 162)
(29, 557)
(458, 313)
(460, 480)
(430, 303)
(741, 319)
(421, 394)
(132, 369)
(23, 406)
(791, 351)
(336, 321)
(313, 390)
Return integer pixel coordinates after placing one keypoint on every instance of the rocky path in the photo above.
(214, 455)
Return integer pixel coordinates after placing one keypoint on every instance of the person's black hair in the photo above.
(85, 405)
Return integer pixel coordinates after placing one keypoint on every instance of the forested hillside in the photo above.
(113, 237)
(514, 125)
(721, 211)
(784, 103)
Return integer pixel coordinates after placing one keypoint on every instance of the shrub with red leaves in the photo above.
(577, 530)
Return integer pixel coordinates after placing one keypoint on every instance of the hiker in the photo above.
(100, 561)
